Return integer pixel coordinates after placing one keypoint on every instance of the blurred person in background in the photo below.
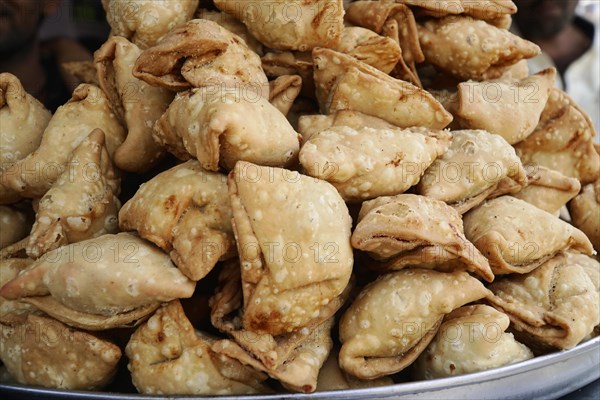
(568, 42)
(35, 62)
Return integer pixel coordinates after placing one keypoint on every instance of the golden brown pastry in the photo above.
(136, 103)
(289, 24)
(288, 275)
(489, 10)
(9, 269)
(367, 46)
(471, 339)
(107, 275)
(441, 9)
(585, 212)
(331, 377)
(511, 109)
(366, 163)
(41, 351)
(311, 124)
(553, 306)
(397, 22)
(466, 48)
(518, 237)
(394, 318)
(548, 190)
(146, 22)
(563, 140)
(81, 204)
(202, 53)
(167, 357)
(14, 225)
(233, 25)
(185, 211)
(283, 91)
(344, 83)
(276, 64)
(22, 121)
(410, 230)
(87, 110)
(476, 166)
(220, 127)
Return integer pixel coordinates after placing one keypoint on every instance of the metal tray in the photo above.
(549, 377)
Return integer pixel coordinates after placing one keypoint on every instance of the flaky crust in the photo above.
(554, 306)
(344, 83)
(585, 212)
(549, 190)
(311, 124)
(366, 163)
(32, 176)
(518, 237)
(57, 356)
(511, 109)
(279, 296)
(563, 140)
(22, 121)
(394, 318)
(81, 204)
(82, 276)
(220, 127)
(202, 53)
(367, 46)
(146, 22)
(166, 356)
(185, 211)
(477, 162)
(466, 48)
(283, 91)
(9, 269)
(471, 339)
(290, 24)
(136, 103)
(410, 230)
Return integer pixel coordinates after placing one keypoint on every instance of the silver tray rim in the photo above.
(449, 386)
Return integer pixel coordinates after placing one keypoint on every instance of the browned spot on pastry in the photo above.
(160, 336)
(397, 160)
(171, 204)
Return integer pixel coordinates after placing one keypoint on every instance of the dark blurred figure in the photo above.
(35, 63)
(569, 43)
(554, 26)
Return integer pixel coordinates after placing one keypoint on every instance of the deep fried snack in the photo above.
(280, 297)
(397, 22)
(185, 211)
(220, 127)
(276, 64)
(471, 339)
(549, 190)
(22, 121)
(81, 204)
(107, 275)
(283, 92)
(137, 104)
(233, 25)
(511, 109)
(146, 22)
(344, 83)
(366, 163)
(202, 53)
(394, 318)
(289, 24)
(563, 140)
(410, 230)
(518, 237)
(554, 306)
(466, 48)
(41, 351)
(311, 124)
(9, 269)
(585, 212)
(87, 110)
(476, 166)
(367, 46)
(167, 356)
